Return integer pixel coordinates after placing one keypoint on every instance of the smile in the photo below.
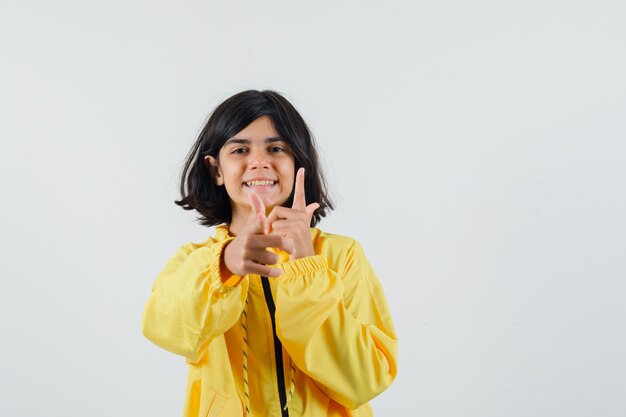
(264, 183)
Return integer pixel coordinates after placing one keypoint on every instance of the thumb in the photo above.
(258, 224)
(310, 209)
(258, 220)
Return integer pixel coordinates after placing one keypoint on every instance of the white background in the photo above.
(475, 149)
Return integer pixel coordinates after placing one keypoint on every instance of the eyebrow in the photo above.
(248, 141)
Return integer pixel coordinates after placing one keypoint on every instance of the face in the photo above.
(255, 159)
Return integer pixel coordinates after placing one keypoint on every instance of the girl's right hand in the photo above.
(247, 253)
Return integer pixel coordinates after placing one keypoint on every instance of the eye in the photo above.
(277, 149)
(238, 150)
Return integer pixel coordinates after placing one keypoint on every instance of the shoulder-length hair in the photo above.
(197, 187)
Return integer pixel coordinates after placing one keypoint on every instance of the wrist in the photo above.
(227, 277)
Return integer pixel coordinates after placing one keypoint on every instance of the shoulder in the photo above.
(221, 234)
(339, 250)
(208, 245)
(336, 241)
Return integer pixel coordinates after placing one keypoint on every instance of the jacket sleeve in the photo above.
(190, 303)
(336, 326)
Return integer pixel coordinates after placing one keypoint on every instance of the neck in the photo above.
(238, 221)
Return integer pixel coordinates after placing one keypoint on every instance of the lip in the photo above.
(260, 188)
(260, 179)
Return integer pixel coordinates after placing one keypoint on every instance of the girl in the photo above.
(274, 316)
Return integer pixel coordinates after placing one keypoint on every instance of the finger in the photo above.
(299, 198)
(265, 241)
(263, 270)
(278, 213)
(281, 225)
(289, 233)
(310, 209)
(273, 241)
(256, 225)
(264, 256)
(257, 203)
(257, 217)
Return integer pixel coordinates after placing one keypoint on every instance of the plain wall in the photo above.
(475, 149)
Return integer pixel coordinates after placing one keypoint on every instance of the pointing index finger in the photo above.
(299, 198)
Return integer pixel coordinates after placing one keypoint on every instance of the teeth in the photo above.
(259, 183)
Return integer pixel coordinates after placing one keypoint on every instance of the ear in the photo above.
(214, 168)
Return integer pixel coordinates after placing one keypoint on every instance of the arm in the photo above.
(337, 327)
(193, 300)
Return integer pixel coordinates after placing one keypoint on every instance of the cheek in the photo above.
(289, 187)
(233, 173)
(235, 181)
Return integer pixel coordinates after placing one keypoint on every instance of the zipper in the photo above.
(278, 348)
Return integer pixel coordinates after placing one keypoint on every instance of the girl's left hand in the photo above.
(293, 223)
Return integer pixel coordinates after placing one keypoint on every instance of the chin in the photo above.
(273, 203)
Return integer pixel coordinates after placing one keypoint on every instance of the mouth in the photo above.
(260, 185)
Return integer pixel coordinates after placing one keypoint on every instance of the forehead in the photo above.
(244, 141)
(260, 131)
(261, 126)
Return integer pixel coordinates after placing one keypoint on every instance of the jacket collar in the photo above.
(221, 232)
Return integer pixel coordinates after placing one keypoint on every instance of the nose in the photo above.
(259, 159)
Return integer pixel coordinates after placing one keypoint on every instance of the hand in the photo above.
(293, 223)
(247, 253)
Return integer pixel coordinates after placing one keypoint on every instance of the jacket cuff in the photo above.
(303, 266)
(226, 277)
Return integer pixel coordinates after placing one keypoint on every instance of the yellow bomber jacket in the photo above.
(331, 323)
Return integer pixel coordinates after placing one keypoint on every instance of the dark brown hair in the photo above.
(197, 188)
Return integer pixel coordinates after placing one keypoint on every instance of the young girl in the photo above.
(274, 316)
